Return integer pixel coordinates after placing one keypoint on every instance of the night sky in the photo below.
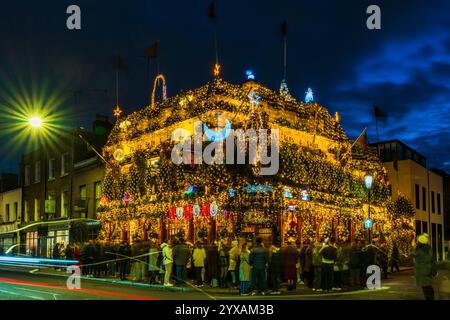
(404, 67)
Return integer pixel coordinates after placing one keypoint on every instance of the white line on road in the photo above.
(16, 294)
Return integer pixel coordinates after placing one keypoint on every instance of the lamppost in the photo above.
(368, 181)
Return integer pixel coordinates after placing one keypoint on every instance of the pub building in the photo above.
(317, 191)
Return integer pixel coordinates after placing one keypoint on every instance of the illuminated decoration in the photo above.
(117, 112)
(124, 125)
(368, 180)
(103, 200)
(368, 223)
(118, 154)
(225, 214)
(217, 70)
(254, 98)
(172, 213)
(159, 78)
(180, 212)
(284, 91)
(126, 197)
(309, 96)
(305, 196)
(214, 208)
(206, 209)
(196, 210)
(217, 134)
(190, 191)
(252, 188)
(311, 149)
(188, 212)
(250, 75)
(291, 206)
(287, 193)
(337, 117)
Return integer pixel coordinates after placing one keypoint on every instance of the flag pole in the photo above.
(285, 56)
(378, 138)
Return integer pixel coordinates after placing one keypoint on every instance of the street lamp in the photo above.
(35, 122)
(368, 181)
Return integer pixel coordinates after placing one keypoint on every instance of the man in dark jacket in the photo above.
(123, 254)
(181, 255)
(258, 260)
(355, 265)
(275, 267)
(329, 254)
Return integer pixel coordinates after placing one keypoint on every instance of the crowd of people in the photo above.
(251, 267)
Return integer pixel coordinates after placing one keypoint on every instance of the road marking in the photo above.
(21, 295)
(89, 291)
(32, 290)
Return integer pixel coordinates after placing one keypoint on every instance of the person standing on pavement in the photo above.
(306, 264)
(328, 254)
(354, 265)
(275, 267)
(167, 261)
(223, 264)
(153, 268)
(212, 262)
(233, 268)
(198, 260)
(290, 258)
(123, 254)
(317, 265)
(395, 258)
(244, 271)
(258, 260)
(181, 255)
(425, 266)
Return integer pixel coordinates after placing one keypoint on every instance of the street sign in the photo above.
(368, 223)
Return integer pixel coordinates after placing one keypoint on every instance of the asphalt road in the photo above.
(23, 285)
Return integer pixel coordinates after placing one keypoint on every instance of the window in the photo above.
(65, 163)
(27, 175)
(37, 172)
(26, 210)
(97, 194)
(424, 199)
(51, 169)
(83, 192)
(417, 197)
(418, 228)
(424, 227)
(432, 202)
(7, 212)
(31, 243)
(439, 203)
(64, 203)
(16, 210)
(36, 209)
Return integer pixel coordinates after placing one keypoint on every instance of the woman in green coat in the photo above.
(425, 266)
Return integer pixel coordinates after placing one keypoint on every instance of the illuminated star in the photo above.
(216, 70)
(117, 111)
(254, 98)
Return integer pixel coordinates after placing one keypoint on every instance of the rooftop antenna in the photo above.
(119, 64)
(212, 15)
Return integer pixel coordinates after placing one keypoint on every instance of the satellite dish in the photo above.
(118, 154)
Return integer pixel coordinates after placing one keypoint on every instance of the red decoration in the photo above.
(292, 224)
(205, 210)
(188, 212)
(172, 213)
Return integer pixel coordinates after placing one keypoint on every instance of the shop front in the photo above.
(8, 236)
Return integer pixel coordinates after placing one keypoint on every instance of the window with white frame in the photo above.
(65, 163)
(51, 169)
